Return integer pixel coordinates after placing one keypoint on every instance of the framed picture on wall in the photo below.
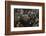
(24, 18)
